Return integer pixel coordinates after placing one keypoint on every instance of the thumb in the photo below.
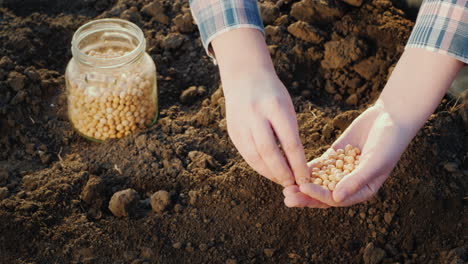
(362, 176)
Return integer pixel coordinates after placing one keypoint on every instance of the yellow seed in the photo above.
(349, 159)
(339, 164)
(318, 181)
(348, 148)
(340, 151)
(336, 171)
(357, 150)
(326, 182)
(332, 185)
(324, 177)
(315, 169)
(349, 167)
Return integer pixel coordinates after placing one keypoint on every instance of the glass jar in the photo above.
(111, 80)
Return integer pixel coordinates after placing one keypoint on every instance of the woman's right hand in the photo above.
(259, 110)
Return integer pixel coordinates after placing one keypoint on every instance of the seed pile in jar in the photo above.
(111, 105)
(334, 166)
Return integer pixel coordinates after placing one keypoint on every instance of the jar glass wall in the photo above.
(111, 80)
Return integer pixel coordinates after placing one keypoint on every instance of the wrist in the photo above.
(415, 89)
(242, 52)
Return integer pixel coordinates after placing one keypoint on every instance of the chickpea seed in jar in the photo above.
(111, 80)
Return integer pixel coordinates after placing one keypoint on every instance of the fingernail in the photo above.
(339, 196)
(288, 183)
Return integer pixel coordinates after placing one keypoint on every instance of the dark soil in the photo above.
(55, 186)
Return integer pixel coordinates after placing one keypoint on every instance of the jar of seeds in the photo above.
(111, 80)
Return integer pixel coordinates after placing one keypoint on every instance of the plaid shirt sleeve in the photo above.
(442, 27)
(215, 17)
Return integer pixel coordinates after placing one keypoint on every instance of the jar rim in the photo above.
(87, 29)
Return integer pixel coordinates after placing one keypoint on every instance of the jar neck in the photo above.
(105, 34)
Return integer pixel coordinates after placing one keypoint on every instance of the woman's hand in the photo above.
(382, 141)
(384, 130)
(259, 110)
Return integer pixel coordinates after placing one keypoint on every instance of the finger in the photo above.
(289, 190)
(363, 176)
(244, 143)
(319, 193)
(301, 200)
(294, 198)
(366, 192)
(284, 124)
(265, 143)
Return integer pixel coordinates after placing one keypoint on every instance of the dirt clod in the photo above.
(343, 120)
(201, 160)
(373, 254)
(388, 217)
(131, 14)
(368, 68)
(172, 41)
(339, 53)
(190, 94)
(177, 245)
(4, 175)
(4, 193)
(184, 22)
(156, 11)
(16, 81)
(269, 252)
(269, 12)
(352, 99)
(124, 203)
(306, 32)
(92, 192)
(451, 166)
(160, 200)
(313, 11)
